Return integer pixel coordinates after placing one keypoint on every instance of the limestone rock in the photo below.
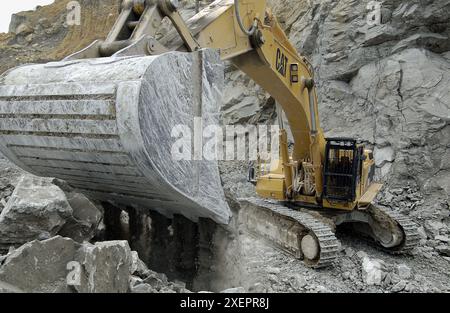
(24, 29)
(16, 20)
(444, 250)
(372, 271)
(243, 99)
(399, 286)
(442, 238)
(82, 225)
(434, 227)
(298, 281)
(36, 209)
(422, 233)
(40, 266)
(39, 209)
(434, 42)
(156, 280)
(86, 216)
(138, 267)
(63, 265)
(404, 271)
(105, 267)
(134, 281)
(383, 155)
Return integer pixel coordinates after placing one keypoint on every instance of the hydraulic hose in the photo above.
(239, 20)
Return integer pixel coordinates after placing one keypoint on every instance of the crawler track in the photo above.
(409, 228)
(286, 227)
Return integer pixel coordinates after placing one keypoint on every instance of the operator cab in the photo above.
(342, 172)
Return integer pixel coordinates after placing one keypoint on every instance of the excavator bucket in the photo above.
(105, 126)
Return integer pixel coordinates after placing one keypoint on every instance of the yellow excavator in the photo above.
(103, 118)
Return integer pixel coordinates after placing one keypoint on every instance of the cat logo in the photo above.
(281, 62)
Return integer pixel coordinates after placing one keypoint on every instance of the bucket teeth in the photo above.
(105, 126)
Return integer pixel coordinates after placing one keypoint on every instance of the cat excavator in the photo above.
(102, 119)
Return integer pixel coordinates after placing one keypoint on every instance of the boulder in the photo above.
(24, 29)
(16, 21)
(372, 271)
(138, 267)
(62, 265)
(86, 216)
(384, 155)
(40, 208)
(40, 266)
(84, 222)
(37, 209)
(105, 267)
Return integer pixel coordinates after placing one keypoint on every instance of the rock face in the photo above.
(37, 209)
(44, 34)
(242, 98)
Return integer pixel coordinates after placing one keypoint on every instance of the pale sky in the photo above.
(8, 7)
